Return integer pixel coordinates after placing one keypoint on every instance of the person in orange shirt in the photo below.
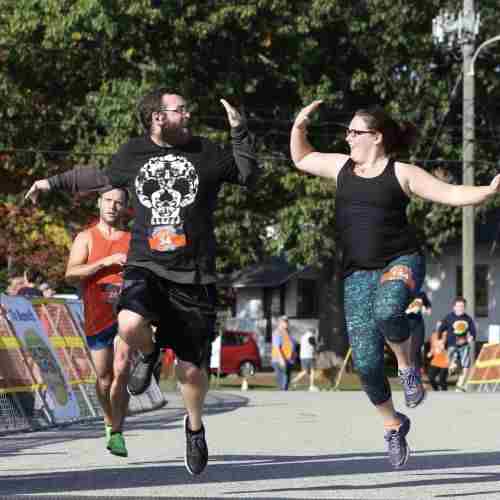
(438, 365)
(96, 261)
(283, 353)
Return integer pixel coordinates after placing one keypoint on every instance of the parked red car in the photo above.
(239, 354)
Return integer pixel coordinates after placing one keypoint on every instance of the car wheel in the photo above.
(247, 368)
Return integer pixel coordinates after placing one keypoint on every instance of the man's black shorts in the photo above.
(184, 313)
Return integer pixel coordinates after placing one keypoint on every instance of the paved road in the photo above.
(269, 445)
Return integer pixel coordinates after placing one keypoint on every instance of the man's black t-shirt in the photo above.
(174, 193)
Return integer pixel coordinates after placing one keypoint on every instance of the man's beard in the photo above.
(175, 135)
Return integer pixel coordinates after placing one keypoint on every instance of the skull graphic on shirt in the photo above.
(166, 184)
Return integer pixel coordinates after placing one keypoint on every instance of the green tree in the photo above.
(72, 71)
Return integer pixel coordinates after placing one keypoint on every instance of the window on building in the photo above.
(274, 306)
(274, 301)
(307, 298)
(481, 285)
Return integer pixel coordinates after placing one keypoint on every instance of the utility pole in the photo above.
(468, 138)
(463, 29)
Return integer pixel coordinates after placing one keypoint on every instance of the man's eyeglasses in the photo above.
(182, 110)
(355, 133)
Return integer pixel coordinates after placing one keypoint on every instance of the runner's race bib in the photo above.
(110, 292)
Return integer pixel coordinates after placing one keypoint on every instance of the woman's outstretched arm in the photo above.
(428, 187)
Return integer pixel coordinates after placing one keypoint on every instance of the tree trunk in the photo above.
(332, 336)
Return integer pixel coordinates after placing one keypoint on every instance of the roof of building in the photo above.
(271, 273)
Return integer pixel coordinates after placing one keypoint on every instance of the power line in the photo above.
(260, 157)
(197, 117)
(254, 120)
(450, 102)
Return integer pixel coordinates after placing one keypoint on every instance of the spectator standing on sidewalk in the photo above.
(307, 359)
(283, 354)
(438, 364)
(461, 333)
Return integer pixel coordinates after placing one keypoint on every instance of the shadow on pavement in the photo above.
(250, 468)
(483, 494)
(168, 417)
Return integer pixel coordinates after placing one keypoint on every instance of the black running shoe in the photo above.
(412, 386)
(196, 456)
(141, 371)
(397, 447)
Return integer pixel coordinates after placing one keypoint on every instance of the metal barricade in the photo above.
(28, 370)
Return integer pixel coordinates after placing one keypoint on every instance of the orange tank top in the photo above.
(101, 291)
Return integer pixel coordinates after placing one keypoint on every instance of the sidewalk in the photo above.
(273, 445)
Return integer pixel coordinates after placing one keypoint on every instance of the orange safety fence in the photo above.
(486, 369)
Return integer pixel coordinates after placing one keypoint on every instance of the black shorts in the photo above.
(183, 313)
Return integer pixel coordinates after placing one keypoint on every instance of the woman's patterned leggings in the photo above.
(375, 305)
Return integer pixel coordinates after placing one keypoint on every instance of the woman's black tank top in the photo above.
(370, 218)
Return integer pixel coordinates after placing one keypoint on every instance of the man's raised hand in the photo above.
(38, 186)
(495, 184)
(234, 116)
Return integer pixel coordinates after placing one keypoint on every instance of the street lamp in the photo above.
(463, 29)
(474, 57)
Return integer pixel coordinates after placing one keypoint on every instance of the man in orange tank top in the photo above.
(96, 261)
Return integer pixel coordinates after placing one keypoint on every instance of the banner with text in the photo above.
(41, 357)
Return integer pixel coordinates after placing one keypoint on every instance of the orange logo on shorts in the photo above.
(164, 240)
(399, 272)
